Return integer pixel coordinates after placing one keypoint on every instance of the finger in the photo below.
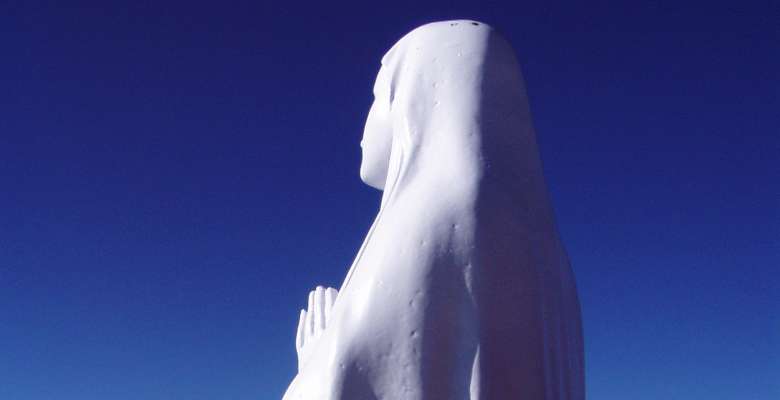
(319, 307)
(330, 298)
(310, 316)
(299, 334)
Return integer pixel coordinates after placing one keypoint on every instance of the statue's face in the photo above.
(377, 135)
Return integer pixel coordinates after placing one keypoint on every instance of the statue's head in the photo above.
(426, 77)
(449, 101)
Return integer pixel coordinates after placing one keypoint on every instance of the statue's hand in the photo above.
(313, 321)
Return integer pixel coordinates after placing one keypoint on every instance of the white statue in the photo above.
(462, 288)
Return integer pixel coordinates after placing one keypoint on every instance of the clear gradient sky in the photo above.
(176, 176)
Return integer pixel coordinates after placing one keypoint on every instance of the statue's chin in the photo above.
(376, 181)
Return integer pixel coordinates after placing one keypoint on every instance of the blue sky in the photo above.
(176, 176)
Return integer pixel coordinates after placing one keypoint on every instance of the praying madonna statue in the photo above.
(462, 289)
